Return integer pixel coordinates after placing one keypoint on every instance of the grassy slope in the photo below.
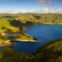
(4, 23)
(50, 52)
(9, 55)
(42, 18)
(51, 18)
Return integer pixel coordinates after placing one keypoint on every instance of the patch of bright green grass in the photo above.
(4, 23)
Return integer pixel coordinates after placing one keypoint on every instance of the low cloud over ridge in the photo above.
(50, 10)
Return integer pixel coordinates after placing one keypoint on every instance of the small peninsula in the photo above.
(11, 29)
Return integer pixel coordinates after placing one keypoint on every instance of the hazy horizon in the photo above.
(30, 6)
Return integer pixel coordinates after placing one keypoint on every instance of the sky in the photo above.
(30, 6)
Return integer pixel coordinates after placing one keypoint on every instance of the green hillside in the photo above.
(42, 18)
(50, 18)
(15, 24)
(50, 52)
(12, 29)
(9, 55)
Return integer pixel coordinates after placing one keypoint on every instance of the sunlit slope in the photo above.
(50, 18)
(4, 22)
(13, 29)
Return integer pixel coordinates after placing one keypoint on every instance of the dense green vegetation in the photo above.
(50, 52)
(42, 18)
(12, 28)
(9, 55)
(31, 18)
(15, 24)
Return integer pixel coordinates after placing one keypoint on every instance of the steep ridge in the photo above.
(50, 52)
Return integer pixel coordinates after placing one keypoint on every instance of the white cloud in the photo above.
(46, 10)
(50, 10)
(10, 11)
(17, 11)
(59, 10)
(48, 2)
(43, 10)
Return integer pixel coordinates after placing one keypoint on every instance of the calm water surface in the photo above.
(44, 33)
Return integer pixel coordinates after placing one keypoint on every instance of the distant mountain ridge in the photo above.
(48, 18)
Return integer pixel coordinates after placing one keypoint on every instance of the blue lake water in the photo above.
(44, 33)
